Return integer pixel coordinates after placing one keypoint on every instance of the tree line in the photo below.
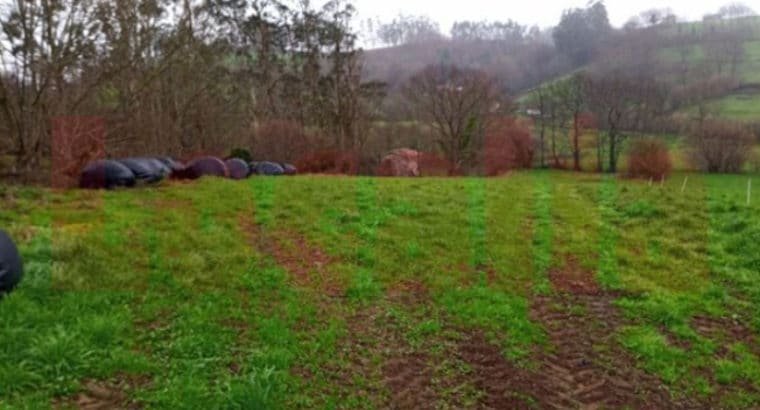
(178, 77)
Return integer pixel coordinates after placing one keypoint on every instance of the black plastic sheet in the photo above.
(238, 168)
(11, 267)
(148, 170)
(173, 164)
(205, 166)
(289, 169)
(106, 174)
(269, 168)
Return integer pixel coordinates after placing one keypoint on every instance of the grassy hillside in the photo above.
(742, 104)
(533, 290)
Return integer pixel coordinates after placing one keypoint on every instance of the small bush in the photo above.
(241, 153)
(649, 158)
(329, 162)
(433, 165)
(754, 160)
(718, 146)
(76, 141)
(508, 146)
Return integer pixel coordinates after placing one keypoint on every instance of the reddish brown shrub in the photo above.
(76, 142)
(587, 121)
(508, 146)
(329, 162)
(718, 146)
(432, 165)
(649, 158)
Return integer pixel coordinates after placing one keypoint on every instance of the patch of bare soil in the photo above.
(408, 292)
(409, 379)
(584, 369)
(293, 252)
(485, 273)
(307, 264)
(504, 386)
(584, 366)
(573, 278)
(105, 395)
(725, 329)
(376, 350)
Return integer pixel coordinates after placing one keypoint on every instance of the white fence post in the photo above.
(749, 192)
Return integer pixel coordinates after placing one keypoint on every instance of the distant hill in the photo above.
(520, 66)
(681, 54)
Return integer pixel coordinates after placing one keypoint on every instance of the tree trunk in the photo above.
(576, 143)
(541, 109)
(555, 158)
(599, 153)
(543, 146)
(613, 152)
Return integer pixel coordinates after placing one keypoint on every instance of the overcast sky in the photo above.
(543, 13)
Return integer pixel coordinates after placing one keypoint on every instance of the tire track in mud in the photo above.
(377, 350)
(101, 395)
(306, 263)
(585, 366)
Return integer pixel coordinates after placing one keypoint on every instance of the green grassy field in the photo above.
(535, 290)
(737, 107)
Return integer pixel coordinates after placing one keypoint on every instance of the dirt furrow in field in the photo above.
(585, 367)
(378, 350)
(101, 395)
(382, 367)
(502, 384)
(306, 263)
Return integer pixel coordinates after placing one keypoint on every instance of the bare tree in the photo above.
(720, 146)
(572, 100)
(725, 47)
(556, 116)
(652, 18)
(458, 104)
(736, 10)
(178, 77)
(405, 29)
(541, 116)
(43, 45)
(622, 104)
